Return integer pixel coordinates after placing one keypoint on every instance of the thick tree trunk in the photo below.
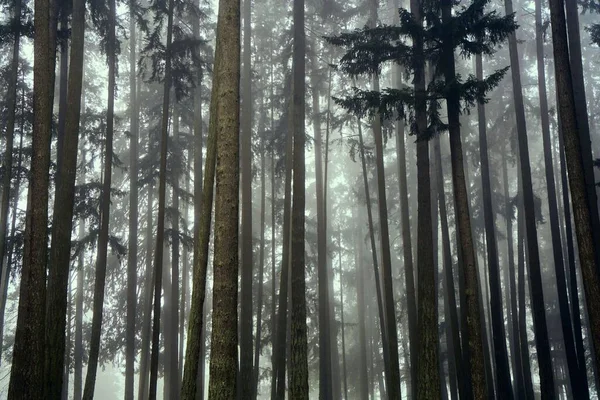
(162, 189)
(133, 212)
(245, 378)
(299, 347)
(101, 261)
(575, 159)
(537, 294)
(497, 314)
(27, 372)
(583, 127)
(224, 353)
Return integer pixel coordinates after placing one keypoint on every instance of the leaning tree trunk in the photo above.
(162, 189)
(245, 387)
(497, 314)
(203, 202)
(27, 372)
(224, 353)
(299, 348)
(393, 378)
(583, 126)
(588, 250)
(537, 294)
(133, 212)
(577, 377)
(101, 261)
(475, 351)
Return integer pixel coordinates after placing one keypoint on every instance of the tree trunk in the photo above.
(203, 202)
(475, 352)
(378, 291)
(325, 367)
(497, 314)
(162, 189)
(345, 373)
(273, 276)
(101, 261)
(455, 363)
(224, 354)
(577, 377)
(27, 372)
(147, 309)
(363, 375)
(299, 347)
(393, 378)
(78, 351)
(409, 276)
(537, 294)
(261, 269)
(575, 159)
(133, 212)
(583, 127)
(10, 132)
(245, 377)
(524, 343)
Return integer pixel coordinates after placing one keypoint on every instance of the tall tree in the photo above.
(588, 252)
(504, 385)
(363, 385)
(325, 381)
(162, 189)
(223, 357)
(535, 277)
(298, 374)
(101, 260)
(577, 378)
(133, 210)
(26, 376)
(62, 223)
(246, 319)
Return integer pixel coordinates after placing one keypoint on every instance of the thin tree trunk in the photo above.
(173, 369)
(497, 314)
(101, 261)
(261, 269)
(577, 377)
(246, 374)
(409, 276)
(273, 276)
(224, 357)
(64, 395)
(393, 378)
(537, 294)
(524, 343)
(572, 127)
(455, 370)
(325, 367)
(363, 375)
(8, 158)
(475, 351)
(27, 372)
(162, 189)
(345, 377)
(133, 212)
(519, 387)
(78, 350)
